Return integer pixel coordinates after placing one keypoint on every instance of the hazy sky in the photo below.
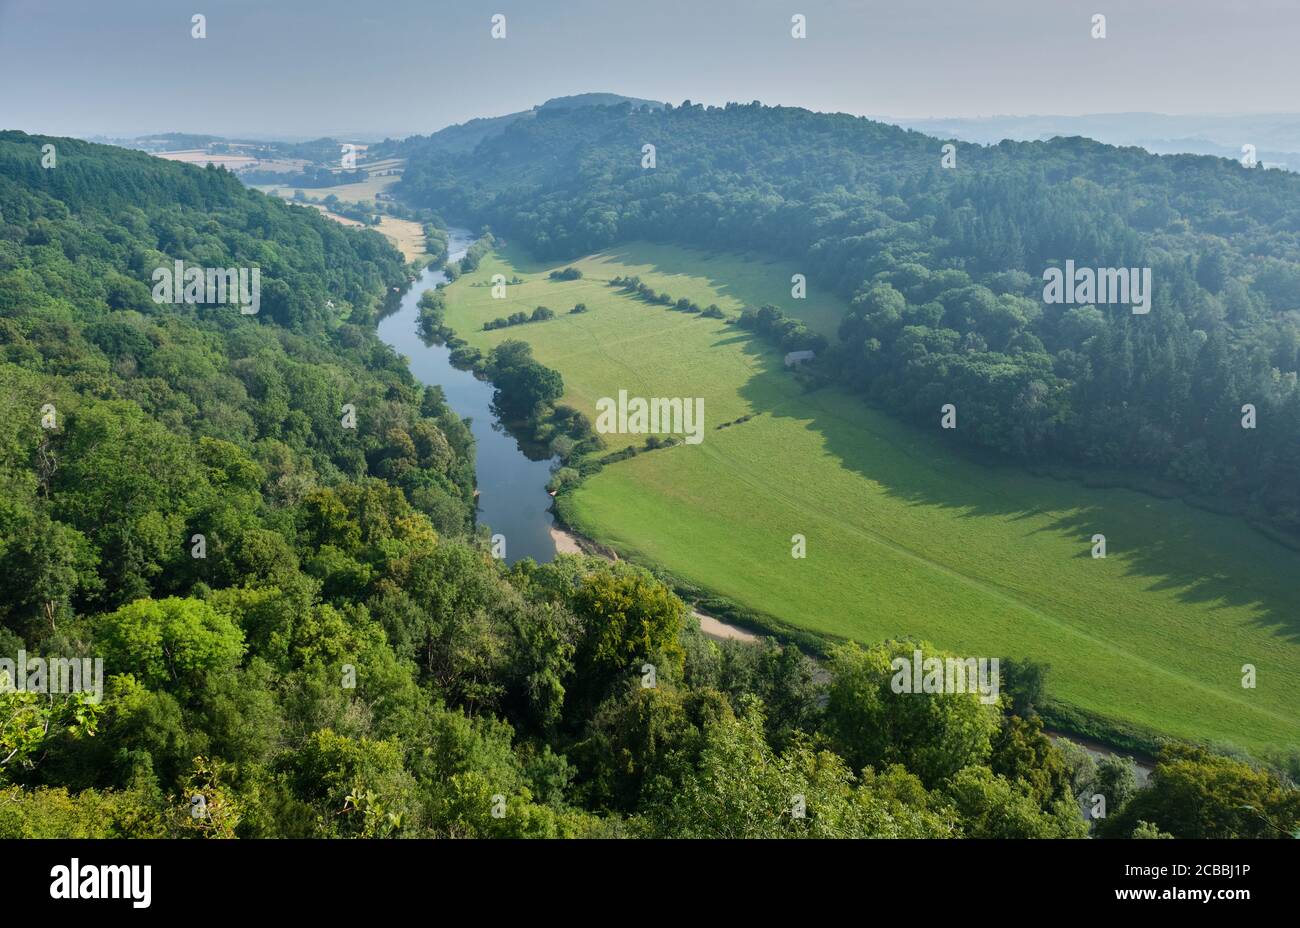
(396, 67)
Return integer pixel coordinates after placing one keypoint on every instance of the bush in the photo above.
(466, 356)
(431, 312)
(562, 446)
(540, 314)
(564, 477)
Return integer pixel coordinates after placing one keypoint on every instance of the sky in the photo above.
(375, 68)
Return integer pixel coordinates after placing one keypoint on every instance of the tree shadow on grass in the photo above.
(1209, 560)
(523, 262)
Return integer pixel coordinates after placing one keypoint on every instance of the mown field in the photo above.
(406, 236)
(905, 536)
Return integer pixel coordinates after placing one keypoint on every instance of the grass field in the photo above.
(905, 536)
(627, 343)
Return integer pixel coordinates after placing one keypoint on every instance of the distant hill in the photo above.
(465, 137)
(1276, 136)
(321, 150)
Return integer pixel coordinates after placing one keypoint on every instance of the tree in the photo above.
(356, 788)
(932, 735)
(1116, 780)
(991, 806)
(742, 789)
(459, 631)
(51, 564)
(30, 721)
(207, 807)
(626, 620)
(1193, 793)
(642, 738)
(171, 643)
(54, 812)
(522, 384)
(780, 675)
(127, 484)
(1025, 681)
(1023, 754)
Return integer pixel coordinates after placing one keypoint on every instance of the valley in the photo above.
(906, 535)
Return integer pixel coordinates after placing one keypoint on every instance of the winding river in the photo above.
(512, 488)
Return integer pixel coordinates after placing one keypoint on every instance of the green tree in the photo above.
(626, 621)
(742, 789)
(30, 722)
(1023, 754)
(171, 643)
(991, 806)
(932, 735)
(1193, 793)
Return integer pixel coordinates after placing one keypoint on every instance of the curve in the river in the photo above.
(513, 500)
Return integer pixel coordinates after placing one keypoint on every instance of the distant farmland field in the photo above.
(407, 236)
(353, 193)
(905, 536)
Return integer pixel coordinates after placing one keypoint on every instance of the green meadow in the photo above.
(905, 536)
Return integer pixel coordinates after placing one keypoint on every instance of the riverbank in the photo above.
(567, 542)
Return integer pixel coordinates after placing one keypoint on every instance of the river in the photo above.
(513, 500)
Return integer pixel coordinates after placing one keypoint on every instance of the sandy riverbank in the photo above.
(568, 543)
(564, 542)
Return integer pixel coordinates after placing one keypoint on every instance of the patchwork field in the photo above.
(406, 236)
(365, 190)
(904, 536)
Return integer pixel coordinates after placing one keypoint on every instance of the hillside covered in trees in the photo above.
(340, 657)
(944, 267)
